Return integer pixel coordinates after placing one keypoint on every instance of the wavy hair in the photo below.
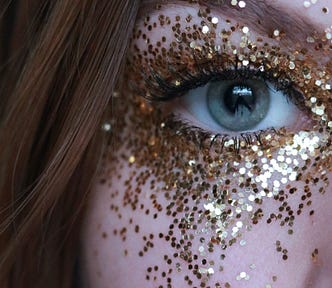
(59, 65)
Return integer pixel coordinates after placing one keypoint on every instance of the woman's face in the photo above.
(220, 177)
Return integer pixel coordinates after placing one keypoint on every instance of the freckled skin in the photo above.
(172, 210)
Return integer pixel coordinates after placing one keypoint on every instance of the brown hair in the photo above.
(59, 62)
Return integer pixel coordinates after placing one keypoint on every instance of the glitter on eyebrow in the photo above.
(242, 4)
(310, 39)
(245, 29)
(276, 33)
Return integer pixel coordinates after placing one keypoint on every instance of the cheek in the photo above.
(137, 232)
(173, 211)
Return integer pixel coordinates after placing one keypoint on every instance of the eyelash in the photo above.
(161, 89)
(203, 138)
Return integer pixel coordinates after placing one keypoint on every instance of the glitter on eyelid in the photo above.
(214, 20)
(205, 29)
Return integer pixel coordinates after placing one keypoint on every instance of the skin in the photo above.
(114, 233)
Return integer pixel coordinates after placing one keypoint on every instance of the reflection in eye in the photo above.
(233, 105)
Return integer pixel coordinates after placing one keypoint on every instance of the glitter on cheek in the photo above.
(207, 205)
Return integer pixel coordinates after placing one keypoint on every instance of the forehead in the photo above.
(298, 20)
(306, 8)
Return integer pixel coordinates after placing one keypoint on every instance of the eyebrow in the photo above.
(261, 16)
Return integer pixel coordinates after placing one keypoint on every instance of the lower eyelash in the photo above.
(206, 139)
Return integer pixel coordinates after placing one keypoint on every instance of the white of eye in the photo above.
(193, 109)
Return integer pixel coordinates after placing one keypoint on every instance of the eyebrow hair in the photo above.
(266, 18)
(260, 15)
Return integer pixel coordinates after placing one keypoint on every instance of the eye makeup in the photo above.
(219, 187)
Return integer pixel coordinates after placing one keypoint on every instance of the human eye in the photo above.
(222, 80)
(240, 102)
(240, 105)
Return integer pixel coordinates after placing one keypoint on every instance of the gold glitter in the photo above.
(306, 4)
(242, 4)
(132, 159)
(214, 20)
(314, 255)
(107, 127)
(310, 39)
(276, 33)
(245, 29)
(242, 276)
(215, 186)
(205, 29)
(291, 65)
(245, 62)
(177, 83)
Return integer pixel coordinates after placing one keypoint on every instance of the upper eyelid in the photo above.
(314, 59)
(317, 58)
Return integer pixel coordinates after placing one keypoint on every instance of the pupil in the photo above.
(239, 99)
